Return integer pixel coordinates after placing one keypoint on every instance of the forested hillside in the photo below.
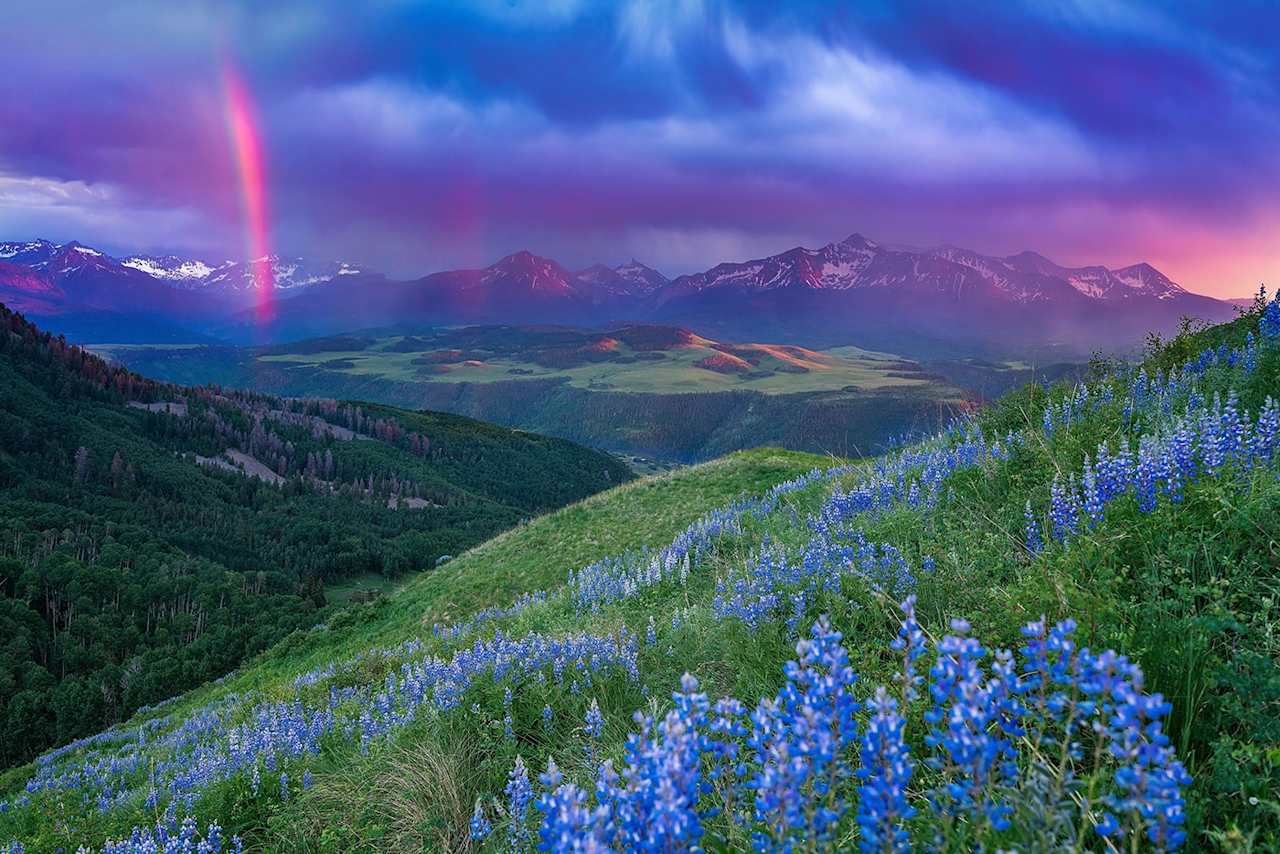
(1050, 627)
(153, 536)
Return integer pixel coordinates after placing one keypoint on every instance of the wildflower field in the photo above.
(1052, 627)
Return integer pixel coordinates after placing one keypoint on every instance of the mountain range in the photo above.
(858, 291)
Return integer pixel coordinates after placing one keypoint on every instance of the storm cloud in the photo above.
(418, 136)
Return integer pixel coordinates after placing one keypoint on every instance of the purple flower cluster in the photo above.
(1172, 451)
(913, 476)
(519, 794)
(329, 671)
(1073, 407)
(998, 726)
(1269, 323)
(223, 740)
(617, 578)
(1159, 394)
(883, 807)
(670, 766)
(774, 584)
(970, 724)
(1034, 540)
(1202, 442)
(481, 827)
(802, 740)
(454, 631)
(168, 836)
(1069, 693)
(442, 683)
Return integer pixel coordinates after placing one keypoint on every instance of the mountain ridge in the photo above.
(855, 290)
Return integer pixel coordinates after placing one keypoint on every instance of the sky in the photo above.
(416, 136)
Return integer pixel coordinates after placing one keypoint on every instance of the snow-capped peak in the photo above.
(1145, 279)
(169, 267)
(28, 253)
(860, 263)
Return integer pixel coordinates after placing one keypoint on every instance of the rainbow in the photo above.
(246, 143)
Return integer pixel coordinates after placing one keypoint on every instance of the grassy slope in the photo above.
(539, 555)
(1190, 590)
(534, 556)
(676, 371)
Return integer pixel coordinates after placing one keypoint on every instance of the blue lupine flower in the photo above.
(801, 739)
(519, 795)
(567, 822)
(480, 825)
(594, 721)
(885, 775)
(910, 643)
(1062, 510)
(1035, 543)
(1269, 323)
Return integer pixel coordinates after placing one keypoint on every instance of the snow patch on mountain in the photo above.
(29, 253)
(169, 267)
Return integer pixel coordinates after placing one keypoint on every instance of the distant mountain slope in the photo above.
(145, 298)
(630, 281)
(927, 302)
(152, 536)
(939, 301)
(235, 277)
(226, 279)
(858, 263)
(861, 290)
(520, 288)
(28, 290)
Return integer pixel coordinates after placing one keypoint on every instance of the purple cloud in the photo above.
(415, 138)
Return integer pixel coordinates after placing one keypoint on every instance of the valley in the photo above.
(652, 391)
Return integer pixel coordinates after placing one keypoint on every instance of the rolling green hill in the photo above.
(654, 391)
(1136, 511)
(153, 536)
